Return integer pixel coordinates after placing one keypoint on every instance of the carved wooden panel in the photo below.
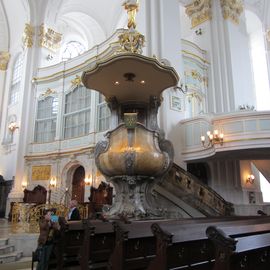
(37, 195)
(101, 195)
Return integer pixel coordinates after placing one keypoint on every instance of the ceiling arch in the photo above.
(105, 13)
(83, 25)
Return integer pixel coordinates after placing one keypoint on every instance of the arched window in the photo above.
(72, 49)
(16, 80)
(258, 56)
(77, 112)
(104, 114)
(45, 126)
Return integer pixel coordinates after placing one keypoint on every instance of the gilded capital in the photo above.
(4, 58)
(48, 38)
(28, 34)
(199, 11)
(232, 9)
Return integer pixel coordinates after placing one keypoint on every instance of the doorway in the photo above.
(78, 185)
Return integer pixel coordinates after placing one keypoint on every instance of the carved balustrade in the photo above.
(201, 196)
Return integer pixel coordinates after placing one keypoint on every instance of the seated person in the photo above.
(73, 213)
(45, 241)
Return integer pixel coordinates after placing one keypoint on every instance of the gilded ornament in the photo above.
(199, 11)
(77, 81)
(132, 7)
(26, 217)
(130, 120)
(28, 34)
(4, 58)
(131, 40)
(42, 172)
(48, 92)
(49, 39)
(232, 9)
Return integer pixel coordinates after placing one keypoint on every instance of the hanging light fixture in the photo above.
(212, 138)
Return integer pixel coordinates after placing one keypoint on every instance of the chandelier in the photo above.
(212, 138)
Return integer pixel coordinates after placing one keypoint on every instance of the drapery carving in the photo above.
(232, 9)
(199, 11)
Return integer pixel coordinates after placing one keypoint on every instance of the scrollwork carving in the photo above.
(221, 239)
(199, 11)
(161, 234)
(49, 38)
(129, 161)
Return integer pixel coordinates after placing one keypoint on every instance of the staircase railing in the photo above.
(197, 194)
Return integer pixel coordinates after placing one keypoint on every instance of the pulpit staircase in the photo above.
(193, 196)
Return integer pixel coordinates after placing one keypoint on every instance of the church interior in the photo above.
(152, 117)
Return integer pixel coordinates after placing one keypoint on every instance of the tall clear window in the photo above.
(16, 80)
(258, 56)
(77, 112)
(45, 126)
(72, 49)
(103, 114)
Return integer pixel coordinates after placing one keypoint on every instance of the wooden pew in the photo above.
(101, 244)
(85, 244)
(249, 251)
(134, 245)
(185, 246)
(71, 246)
(94, 244)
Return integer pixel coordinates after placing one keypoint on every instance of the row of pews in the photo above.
(200, 243)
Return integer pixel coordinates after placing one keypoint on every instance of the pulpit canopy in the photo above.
(130, 77)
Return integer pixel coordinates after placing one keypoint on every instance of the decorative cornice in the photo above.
(49, 39)
(28, 33)
(199, 11)
(232, 9)
(4, 58)
(77, 81)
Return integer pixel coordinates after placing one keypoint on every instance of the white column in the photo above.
(2, 92)
(266, 27)
(231, 84)
(163, 39)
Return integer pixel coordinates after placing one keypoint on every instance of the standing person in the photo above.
(73, 213)
(45, 240)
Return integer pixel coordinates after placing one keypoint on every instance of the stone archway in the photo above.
(78, 184)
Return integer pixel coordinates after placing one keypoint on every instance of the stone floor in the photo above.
(22, 264)
(24, 244)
